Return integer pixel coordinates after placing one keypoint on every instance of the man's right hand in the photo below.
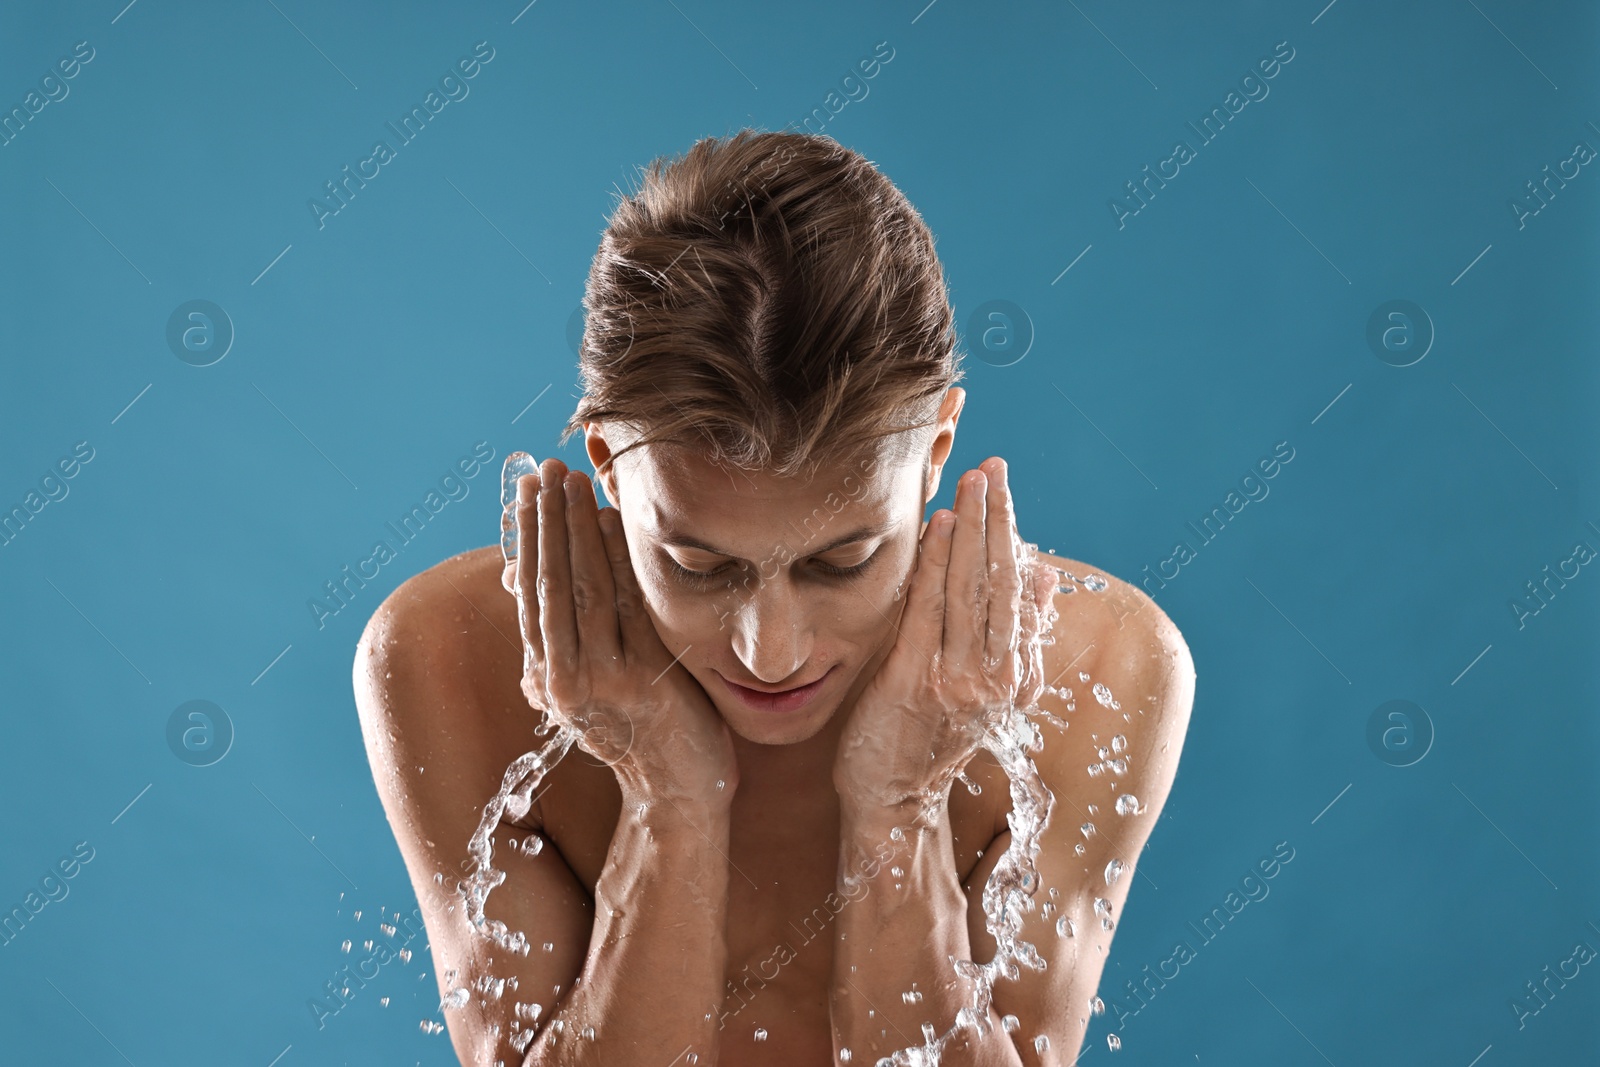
(593, 657)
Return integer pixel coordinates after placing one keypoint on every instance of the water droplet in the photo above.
(972, 787)
(1118, 743)
(1087, 829)
(358, 916)
(912, 997)
(761, 1034)
(588, 1033)
(845, 1055)
(1113, 1042)
(1114, 871)
(384, 1001)
(456, 998)
(1010, 1023)
(1103, 695)
(344, 946)
(1078, 848)
(405, 955)
(1041, 1043)
(1118, 766)
(1128, 804)
(1065, 927)
(1097, 1006)
(1095, 584)
(1094, 809)
(721, 785)
(928, 1035)
(897, 872)
(1082, 676)
(431, 1027)
(549, 946)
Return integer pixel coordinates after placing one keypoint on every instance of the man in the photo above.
(771, 841)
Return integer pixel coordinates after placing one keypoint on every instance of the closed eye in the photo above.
(703, 579)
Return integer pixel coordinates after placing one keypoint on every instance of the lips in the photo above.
(787, 700)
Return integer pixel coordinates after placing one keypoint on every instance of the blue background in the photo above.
(1229, 314)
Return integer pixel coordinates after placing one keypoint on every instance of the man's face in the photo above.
(773, 583)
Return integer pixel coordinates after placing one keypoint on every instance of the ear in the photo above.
(944, 438)
(594, 443)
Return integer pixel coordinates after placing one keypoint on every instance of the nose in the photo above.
(771, 633)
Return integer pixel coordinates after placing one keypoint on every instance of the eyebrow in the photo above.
(683, 540)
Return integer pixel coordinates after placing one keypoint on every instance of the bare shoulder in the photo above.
(445, 609)
(1119, 629)
(1130, 675)
(437, 679)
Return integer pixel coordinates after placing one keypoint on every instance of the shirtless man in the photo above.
(717, 875)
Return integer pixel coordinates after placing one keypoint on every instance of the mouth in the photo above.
(782, 701)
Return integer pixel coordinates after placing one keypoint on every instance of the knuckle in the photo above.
(585, 595)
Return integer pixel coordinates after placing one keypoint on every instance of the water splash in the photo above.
(1007, 895)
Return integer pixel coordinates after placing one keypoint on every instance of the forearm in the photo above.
(906, 920)
(652, 981)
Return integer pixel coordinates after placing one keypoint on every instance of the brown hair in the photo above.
(770, 299)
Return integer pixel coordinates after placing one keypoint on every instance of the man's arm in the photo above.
(1148, 668)
(893, 945)
(617, 985)
(909, 914)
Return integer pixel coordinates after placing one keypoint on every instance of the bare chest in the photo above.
(783, 911)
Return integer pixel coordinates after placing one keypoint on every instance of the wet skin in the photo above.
(439, 680)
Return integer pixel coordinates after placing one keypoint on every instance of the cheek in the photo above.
(683, 616)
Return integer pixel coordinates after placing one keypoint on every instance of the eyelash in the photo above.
(703, 579)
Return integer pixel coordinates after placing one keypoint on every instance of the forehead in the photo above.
(677, 495)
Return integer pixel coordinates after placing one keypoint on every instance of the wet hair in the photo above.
(773, 302)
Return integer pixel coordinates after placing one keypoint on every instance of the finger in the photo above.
(1005, 585)
(526, 564)
(632, 620)
(922, 622)
(966, 580)
(556, 620)
(593, 600)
